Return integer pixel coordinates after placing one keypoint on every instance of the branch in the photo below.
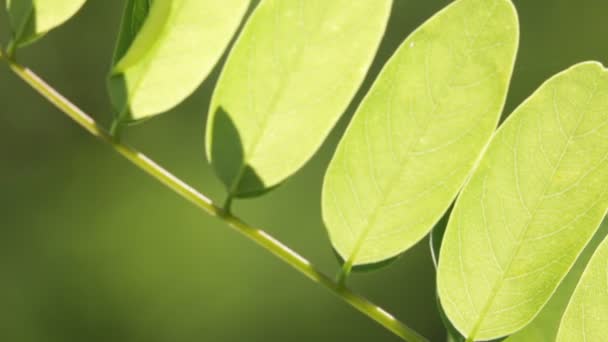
(186, 191)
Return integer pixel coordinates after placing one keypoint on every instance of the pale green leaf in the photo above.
(166, 49)
(31, 19)
(535, 200)
(586, 317)
(134, 16)
(291, 74)
(544, 326)
(419, 131)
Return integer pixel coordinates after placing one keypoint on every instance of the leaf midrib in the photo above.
(285, 77)
(415, 142)
(145, 60)
(500, 281)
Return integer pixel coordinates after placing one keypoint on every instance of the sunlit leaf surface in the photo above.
(419, 131)
(166, 49)
(291, 74)
(537, 197)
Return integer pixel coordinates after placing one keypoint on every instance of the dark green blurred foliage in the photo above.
(92, 249)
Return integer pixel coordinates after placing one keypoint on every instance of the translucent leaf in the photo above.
(586, 317)
(165, 49)
(30, 19)
(134, 16)
(291, 74)
(419, 131)
(535, 200)
(544, 326)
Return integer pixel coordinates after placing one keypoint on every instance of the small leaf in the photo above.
(544, 326)
(419, 131)
(134, 16)
(165, 49)
(535, 200)
(31, 19)
(291, 74)
(435, 239)
(586, 317)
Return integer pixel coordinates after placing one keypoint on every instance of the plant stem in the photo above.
(186, 191)
(228, 203)
(344, 273)
(115, 129)
(11, 49)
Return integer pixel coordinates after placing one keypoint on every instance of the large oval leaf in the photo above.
(544, 327)
(166, 49)
(537, 197)
(30, 19)
(586, 318)
(418, 132)
(291, 74)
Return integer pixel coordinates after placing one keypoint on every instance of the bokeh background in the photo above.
(92, 249)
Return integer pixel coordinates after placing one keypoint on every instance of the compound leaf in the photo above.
(165, 49)
(31, 19)
(292, 73)
(535, 200)
(586, 317)
(419, 131)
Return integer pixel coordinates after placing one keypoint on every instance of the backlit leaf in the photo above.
(535, 200)
(166, 48)
(419, 131)
(291, 74)
(30, 19)
(544, 326)
(586, 317)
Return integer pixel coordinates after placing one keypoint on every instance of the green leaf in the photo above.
(544, 326)
(419, 131)
(31, 19)
(165, 49)
(291, 74)
(435, 239)
(535, 200)
(586, 317)
(134, 16)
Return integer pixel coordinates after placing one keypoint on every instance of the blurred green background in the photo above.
(92, 249)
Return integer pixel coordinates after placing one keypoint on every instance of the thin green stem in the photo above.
(116, 129)
(11, 49)
(344, 273)
(258, 236)
(228, 203)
